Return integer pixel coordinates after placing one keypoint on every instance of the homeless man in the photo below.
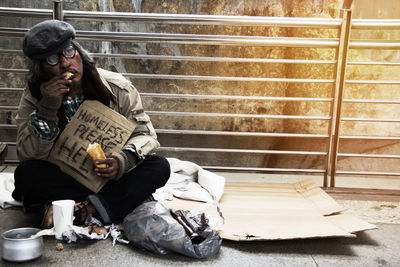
(48, 104)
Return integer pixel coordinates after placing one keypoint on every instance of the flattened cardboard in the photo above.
(350, 223)
(92, 123)
(255, 211)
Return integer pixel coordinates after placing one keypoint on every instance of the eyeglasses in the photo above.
(68, 52)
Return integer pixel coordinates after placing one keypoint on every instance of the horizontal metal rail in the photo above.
(355, 155)
(250, 151)
(371, 101)
(14, 70)
(214, 59)
(259, 116)
(10, 143)
(11, 90)
(371, 173)
(361, 137)
(24, 12)
(13, 32)
(378, 44)
(11, 51)
(370, 119)
(222, 78)
(8, 107)
(250, 169)
(229, 133)
(263, 98)
(8, 126)
(384, 63)
(375, 24)
(372, 82)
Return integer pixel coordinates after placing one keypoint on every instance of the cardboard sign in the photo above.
(92, 123)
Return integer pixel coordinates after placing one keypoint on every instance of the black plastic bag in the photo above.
(155, 228)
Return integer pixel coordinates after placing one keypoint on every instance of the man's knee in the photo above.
(163, 165)
(160, 166)
(22, 171)
(27, 173)
(21, 179)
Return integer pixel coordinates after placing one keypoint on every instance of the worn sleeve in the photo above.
(143, 139)
(30, 144)
(46, 131)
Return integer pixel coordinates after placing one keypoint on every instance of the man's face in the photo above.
(64, 64)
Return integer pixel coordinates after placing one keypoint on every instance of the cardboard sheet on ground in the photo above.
(260, 211)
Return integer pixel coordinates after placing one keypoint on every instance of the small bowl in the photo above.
(19, 245)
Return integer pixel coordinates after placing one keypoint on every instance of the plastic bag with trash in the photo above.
(155, 228)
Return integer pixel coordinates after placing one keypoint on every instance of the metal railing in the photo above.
(342, 44)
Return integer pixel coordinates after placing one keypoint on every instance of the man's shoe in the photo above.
(47, 219)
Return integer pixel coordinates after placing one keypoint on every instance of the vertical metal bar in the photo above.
(58, 13)
(336, 108)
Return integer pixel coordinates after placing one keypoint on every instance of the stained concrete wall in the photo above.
(303, 8)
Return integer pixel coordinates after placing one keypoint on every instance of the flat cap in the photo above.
(47, 38)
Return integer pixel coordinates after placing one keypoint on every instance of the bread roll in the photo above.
(68, 75)
(95, 152)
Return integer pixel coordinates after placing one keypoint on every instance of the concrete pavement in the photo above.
(380, 247)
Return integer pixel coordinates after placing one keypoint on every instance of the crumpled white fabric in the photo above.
(6, 189)
(189, 181)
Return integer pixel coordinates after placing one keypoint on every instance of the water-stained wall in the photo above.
(279, 8)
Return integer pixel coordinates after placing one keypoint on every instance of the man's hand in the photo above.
(56, 86)
(111, 171)
(51, 101)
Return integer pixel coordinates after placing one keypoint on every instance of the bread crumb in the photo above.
(59, 246)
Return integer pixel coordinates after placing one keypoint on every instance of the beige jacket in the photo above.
(126, 102)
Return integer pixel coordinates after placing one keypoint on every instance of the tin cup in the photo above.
(21, 244)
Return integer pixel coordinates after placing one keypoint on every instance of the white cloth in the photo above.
(190, 181)
(6, 189)
(187, 181)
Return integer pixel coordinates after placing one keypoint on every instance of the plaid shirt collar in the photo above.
(71, 105)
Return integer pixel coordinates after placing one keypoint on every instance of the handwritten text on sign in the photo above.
(92, 123)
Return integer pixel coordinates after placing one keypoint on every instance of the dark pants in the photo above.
(38, 182)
